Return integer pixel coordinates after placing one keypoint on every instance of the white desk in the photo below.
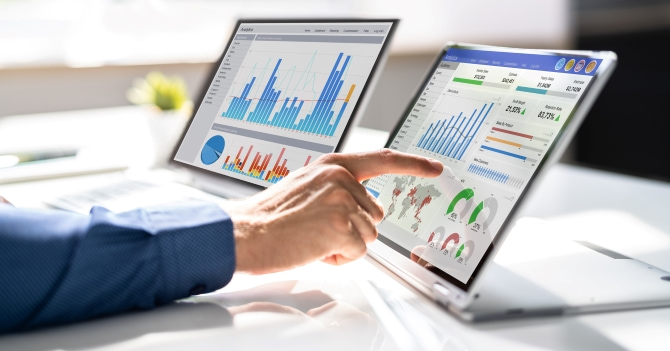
(371, 310)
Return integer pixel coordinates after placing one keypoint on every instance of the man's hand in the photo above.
(318, 212)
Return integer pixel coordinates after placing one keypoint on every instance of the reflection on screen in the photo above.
(490, 117)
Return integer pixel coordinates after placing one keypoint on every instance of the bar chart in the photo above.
(258, 164)
(495, 175)
(271, 110)
(525, 142)
(452, 136)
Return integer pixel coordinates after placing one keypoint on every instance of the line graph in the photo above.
(452, 136)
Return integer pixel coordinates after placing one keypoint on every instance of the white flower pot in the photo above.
(165, 129)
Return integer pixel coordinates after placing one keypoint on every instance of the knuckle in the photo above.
(370, 229)
(359, 249)
(376, 204)
(339, 220)
(336, 173)
(331, 158)
(387, 157)
(341, 196)
(386, 154)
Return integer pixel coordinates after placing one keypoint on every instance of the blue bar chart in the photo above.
(271, 110)
(498, 176)
(452, 136)
(240, 104)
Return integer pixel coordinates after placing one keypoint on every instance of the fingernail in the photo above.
(436, 164)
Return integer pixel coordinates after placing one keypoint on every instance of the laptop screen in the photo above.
(492, 117)
(284, 93)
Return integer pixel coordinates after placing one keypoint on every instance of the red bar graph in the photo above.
(258, 165)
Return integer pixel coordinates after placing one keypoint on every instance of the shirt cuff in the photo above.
(197, 248)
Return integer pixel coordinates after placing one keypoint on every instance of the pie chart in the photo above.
(212, 150)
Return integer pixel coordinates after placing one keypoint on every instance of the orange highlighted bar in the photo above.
(238, 162)
(276, 170)
(264, 166)
(284, 171)
(503, 141)
(351, 91)
(246, 157)
(496, 129)
(278, 159)
(255, 161)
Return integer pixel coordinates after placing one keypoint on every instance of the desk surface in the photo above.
(360, 306)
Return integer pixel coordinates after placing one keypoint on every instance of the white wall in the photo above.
(85, 58)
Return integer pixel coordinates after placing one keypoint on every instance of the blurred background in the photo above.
(62, 55)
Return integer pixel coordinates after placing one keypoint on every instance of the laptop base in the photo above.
(561, 277)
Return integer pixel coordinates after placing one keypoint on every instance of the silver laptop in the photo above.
(283, 93)
(497, 118)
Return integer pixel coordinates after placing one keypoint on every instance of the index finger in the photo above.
(366, 165)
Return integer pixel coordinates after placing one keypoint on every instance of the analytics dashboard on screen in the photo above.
(284, 94)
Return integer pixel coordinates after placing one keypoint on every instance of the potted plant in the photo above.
(169, 107)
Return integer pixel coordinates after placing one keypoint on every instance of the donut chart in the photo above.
(212, 150)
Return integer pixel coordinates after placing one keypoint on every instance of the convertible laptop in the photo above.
(283, 93)
(497, 118)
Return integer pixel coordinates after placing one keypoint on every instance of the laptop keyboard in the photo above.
(127, 194)
(107, 192)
